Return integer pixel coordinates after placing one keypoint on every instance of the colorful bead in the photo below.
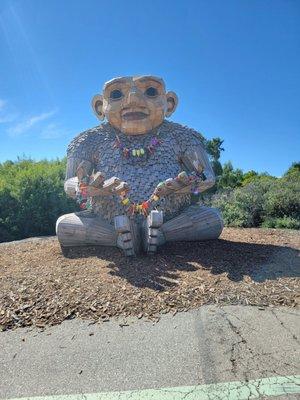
(88, 204)
(138, 152)
(145, 205)
(126, 152)
(82, 205)
(155, 198)
(125, 201)
(134, 152)
(142, 152)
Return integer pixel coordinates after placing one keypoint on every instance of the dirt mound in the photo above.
(39, 286)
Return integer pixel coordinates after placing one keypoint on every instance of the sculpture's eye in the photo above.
(116, 94)
(151, 92)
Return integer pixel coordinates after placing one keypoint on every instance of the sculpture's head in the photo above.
(135, 104)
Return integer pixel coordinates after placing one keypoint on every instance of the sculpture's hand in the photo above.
(180, 185)
(107, 187)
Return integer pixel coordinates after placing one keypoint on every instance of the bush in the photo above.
(265, 201)
(283, 223)
(31, 198)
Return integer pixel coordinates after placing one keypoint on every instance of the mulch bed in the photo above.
(39, 286)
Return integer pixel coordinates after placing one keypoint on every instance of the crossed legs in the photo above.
(196, 223)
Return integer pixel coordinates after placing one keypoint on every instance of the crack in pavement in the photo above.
(285, 327)
(253, 357)
(235, 345)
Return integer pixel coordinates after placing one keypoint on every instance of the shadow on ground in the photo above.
(237, 259)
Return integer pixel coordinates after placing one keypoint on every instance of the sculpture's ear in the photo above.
(97, 104)
(172, 101)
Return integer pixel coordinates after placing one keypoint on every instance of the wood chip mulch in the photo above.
(39, 286)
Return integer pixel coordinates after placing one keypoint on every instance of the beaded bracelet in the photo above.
(85, 202)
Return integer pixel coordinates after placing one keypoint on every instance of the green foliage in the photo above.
(263, 201)
(249, 177)
(217, 168)
(281, 223)
(214, 148)
(293, 171)
(284, 199)
(230, 177)
(31, 198)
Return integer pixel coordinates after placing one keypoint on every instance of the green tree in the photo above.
(293, 171)
(249, 177)
(230, 178)
(214, 149)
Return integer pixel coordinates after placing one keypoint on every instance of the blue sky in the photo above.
(234, 65)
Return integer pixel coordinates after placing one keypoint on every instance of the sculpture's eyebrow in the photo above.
(150, 78)
(114, 81)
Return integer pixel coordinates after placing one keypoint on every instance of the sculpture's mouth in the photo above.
(134, 115)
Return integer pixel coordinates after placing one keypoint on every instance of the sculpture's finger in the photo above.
(111, 183)
(183, 178)
(123, 187)
(161, 189)
(173, 185)
(97, 180)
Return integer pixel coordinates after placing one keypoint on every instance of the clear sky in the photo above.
(234, 64)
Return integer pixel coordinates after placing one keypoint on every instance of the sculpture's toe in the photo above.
(125, 236)
(151, 231)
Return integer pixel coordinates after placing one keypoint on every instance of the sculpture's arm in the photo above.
(196, 160)
(71, 181)
(197, 174)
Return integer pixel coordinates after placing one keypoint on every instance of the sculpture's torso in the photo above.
(141, 173)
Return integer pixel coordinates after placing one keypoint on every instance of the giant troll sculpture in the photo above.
(134, 175)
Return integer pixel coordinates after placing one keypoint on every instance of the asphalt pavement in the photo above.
(211, 345)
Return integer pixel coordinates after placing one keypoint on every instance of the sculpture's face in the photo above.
(135, 105)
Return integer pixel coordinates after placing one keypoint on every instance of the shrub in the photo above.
(283, 199)
(31, 198)
(285, 222)
(265, 201)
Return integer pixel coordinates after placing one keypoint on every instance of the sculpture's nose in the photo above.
(134, 97)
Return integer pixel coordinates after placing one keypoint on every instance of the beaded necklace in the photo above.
(138, 152)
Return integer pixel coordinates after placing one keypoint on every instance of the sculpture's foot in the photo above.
(151, 231)
(125, 240)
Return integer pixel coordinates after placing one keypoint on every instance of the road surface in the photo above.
(231, 352)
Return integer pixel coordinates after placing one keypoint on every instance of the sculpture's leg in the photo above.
(151, 231)
(195, 223)
(84, 228)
